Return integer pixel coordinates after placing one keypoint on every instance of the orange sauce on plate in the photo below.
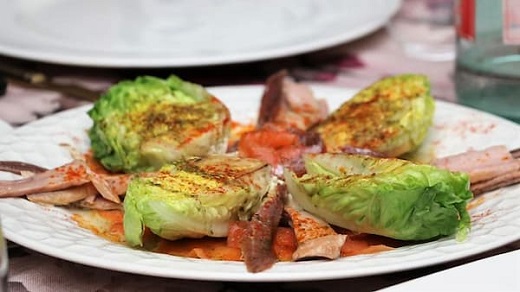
(109, 225)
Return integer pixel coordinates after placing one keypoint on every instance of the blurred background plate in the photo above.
(160, 33)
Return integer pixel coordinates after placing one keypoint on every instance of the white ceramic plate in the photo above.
(158, 33)
(496, 221)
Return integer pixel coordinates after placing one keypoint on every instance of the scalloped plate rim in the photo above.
(124, 259)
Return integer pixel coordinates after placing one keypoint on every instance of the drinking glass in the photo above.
(4, 262)
(425, 29)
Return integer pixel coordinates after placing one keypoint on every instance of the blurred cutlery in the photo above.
(27, 78)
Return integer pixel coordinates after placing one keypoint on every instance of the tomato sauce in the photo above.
(109, 225)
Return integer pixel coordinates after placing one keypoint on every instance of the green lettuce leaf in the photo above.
(141, 124)
(194, 198)
(389, 197)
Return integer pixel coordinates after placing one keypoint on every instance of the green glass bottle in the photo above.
(488, 56)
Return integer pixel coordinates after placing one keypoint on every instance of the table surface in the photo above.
(352, 65)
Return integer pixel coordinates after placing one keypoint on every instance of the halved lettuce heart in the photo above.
(389, 197)
(195, 198)
(142, 124)
(391, 116)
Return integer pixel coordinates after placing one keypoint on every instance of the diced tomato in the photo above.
(353, 247)
(271, 146)
(236, 234)
(284, 243)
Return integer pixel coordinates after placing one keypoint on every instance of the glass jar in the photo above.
(424, 29)
(487, 73)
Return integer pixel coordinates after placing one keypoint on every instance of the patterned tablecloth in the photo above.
(353, 65)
